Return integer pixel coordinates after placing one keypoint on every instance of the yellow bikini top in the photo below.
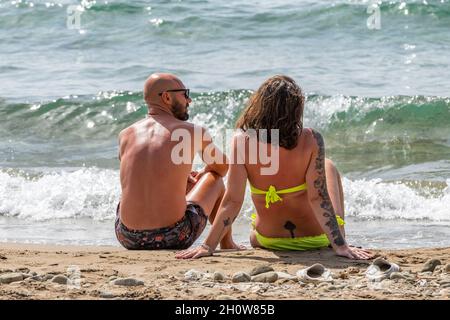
(272, 194)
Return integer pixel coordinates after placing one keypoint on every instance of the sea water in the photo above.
(71, 77)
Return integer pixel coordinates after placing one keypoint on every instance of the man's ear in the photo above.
(166, 98)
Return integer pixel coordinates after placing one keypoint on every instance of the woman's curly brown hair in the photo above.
(277, 104)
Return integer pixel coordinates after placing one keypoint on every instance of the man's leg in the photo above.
(208, 193)
(335, 190)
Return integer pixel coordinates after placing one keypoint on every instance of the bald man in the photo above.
(163, 204)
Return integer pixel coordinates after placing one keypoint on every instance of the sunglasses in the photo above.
(186, 92)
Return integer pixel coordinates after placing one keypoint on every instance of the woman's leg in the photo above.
(335, 190)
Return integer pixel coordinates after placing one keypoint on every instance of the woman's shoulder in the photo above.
(311, 137)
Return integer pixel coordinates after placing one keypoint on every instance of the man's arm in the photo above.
(215, 160)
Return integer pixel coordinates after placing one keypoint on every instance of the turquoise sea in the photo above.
(71, 77)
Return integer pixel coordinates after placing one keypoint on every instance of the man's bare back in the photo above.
(151, 182)
(156, 202)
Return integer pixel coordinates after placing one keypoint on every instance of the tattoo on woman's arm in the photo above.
(226, 222)
(320, 185)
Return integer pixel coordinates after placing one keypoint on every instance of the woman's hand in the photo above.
(353, 253)
(195, 253)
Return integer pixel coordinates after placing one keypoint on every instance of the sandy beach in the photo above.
(89, 272)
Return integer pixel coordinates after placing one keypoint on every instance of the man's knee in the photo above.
(216, 178)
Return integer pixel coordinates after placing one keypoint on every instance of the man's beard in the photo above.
(177, 110)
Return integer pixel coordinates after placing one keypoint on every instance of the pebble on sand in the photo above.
(107, 295)
(193, 275)
(241, 277)
(218, 276)
(61, 279)
(268, 277)
(430, 265)
(225, 297)
(260, 269)
(11, 277)
(398, 275)
(128, 282)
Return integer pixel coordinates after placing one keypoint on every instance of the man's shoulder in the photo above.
(191, 127)
(131, 129)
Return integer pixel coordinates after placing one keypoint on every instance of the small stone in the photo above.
(283, 281)
(225, 297)
(260, 269)
(23, 270)
(241, 277)
(267, 277)
(397, 275)
(61, 279)
(447, 268)
(48, 276)
(6, 271)
(107, 295)
(430, 265)
(3, 257)
(36, 278)
(332, 288)
(193, 275)
(208, 284)
(352, 270)
(218, 276)
(128, 282)
(11, 277)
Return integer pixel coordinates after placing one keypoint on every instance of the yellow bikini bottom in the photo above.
(298, 244)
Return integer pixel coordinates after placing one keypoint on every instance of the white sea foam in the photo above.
(374, 199)
(93, 193)
(87, 192)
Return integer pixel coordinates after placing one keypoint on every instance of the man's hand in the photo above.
(354, 253)
(194, 253)
(193, 178)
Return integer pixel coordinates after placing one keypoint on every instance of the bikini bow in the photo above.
(272, 196)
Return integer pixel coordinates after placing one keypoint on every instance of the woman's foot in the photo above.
(230, 244)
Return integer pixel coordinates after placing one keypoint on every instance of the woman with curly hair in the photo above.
(300, 205)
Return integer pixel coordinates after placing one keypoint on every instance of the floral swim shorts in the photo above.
(180, 235)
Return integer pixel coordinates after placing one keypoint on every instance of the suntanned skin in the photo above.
(154, 188)
(303, 213)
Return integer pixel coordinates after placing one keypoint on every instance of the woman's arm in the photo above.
(321, 202)
(228, 211)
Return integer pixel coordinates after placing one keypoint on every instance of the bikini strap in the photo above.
(272, 194)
